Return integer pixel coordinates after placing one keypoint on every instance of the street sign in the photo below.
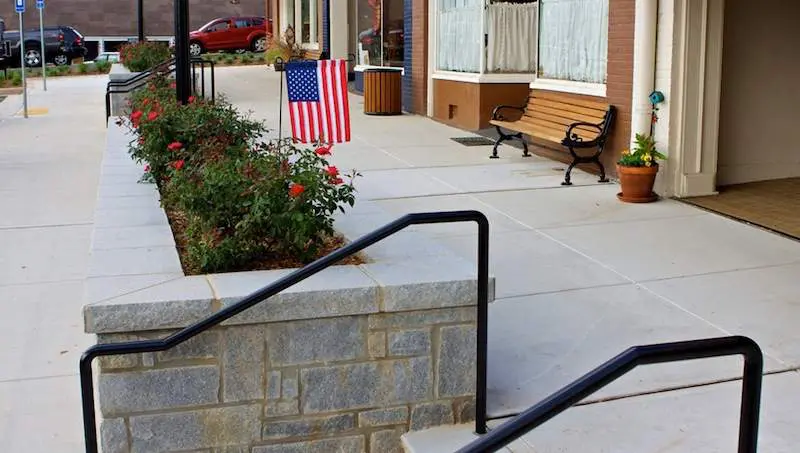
(40, 4)
(19, 6)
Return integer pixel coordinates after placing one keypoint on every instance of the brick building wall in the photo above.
(102, 18)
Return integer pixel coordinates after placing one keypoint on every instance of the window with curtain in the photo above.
(460, 35)
(511, 28)
(573, 40)
(380, 32)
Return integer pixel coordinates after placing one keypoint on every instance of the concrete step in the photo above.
(448, 439)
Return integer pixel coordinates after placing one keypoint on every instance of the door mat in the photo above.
(774, 205)
(473, 141)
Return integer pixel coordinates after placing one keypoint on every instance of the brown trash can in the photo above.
(382, 91)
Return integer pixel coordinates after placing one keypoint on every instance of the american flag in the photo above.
(318, 105)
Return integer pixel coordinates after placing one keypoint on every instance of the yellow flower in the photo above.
(648, 158)
(626, 152)
(647, 164)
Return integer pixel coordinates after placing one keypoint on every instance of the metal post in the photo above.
(41, 33)
(280, 100)
(22, 67)
(182, 73)
(482, 333)
(140, 12)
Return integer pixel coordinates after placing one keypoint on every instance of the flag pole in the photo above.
(280, 102)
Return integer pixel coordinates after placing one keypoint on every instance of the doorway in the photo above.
(758, 157)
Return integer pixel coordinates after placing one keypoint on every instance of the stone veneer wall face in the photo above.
(349, 384)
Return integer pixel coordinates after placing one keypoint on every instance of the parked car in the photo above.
(111, 57)
(230, 34)
(62, 45)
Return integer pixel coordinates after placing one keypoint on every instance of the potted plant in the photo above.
(637, 169)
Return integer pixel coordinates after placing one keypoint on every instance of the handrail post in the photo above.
(87, 401)
(482, 334)
(751, 400)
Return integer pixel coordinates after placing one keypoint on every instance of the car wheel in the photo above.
(195, 49)
(260, 44)
(33, 57)
(61, 60)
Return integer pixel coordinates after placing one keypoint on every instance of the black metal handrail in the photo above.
(159, 68)
(628, 360)
(123, 86)
(142, 346)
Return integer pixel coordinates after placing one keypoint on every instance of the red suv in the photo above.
(231, 33)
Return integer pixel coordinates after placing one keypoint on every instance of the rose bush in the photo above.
(241, 198)
(141, 56)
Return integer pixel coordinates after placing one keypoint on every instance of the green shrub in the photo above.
(53, 72)
(247, 58)
(229, 59)
(141, 56)
(83, 68)
(63, 70)
(239, 198)
(103, 66)
(16, 78)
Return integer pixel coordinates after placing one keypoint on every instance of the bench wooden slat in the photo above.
(531, 130)
(567, 110)
(569, 117)
(554, 122)
(557, 129)
(565, 99)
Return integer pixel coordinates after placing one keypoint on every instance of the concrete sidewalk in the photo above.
(49, 166)
(581, 277)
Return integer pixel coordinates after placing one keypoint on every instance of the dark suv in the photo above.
(62, 44)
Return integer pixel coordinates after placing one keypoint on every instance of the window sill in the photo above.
(364, 67)
(568, 86)
(469, 77)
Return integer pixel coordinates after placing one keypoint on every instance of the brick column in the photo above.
(408, 63)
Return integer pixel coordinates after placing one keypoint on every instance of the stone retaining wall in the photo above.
(346, 361)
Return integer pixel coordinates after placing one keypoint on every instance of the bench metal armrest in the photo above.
(576, 138)
(496, 115)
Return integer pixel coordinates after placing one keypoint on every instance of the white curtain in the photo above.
(512, 33)
(573, 40)
(460, 35)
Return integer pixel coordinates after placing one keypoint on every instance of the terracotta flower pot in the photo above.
(637, 184)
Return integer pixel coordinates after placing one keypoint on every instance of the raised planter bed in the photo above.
(353, 357)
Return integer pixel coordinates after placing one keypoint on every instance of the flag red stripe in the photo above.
(336, 95)
(325, 100)
(345, 100)
(302, 118)
(293, 119)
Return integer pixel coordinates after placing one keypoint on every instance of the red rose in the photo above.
(135, 116)
(337, 180)
(146, 168)
(191, 99)
(175, 146)
(141, 140)
(146, 101)
(178, 164)
(173, 85)
(296, 190)
(152, 115)
(332, 171)
(323, 150)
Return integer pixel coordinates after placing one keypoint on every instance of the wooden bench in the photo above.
(553, 117)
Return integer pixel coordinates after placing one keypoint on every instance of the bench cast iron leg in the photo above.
(504, 137)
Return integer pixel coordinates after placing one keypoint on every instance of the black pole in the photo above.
(140, 12)
(183, 76)
(280, 61)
